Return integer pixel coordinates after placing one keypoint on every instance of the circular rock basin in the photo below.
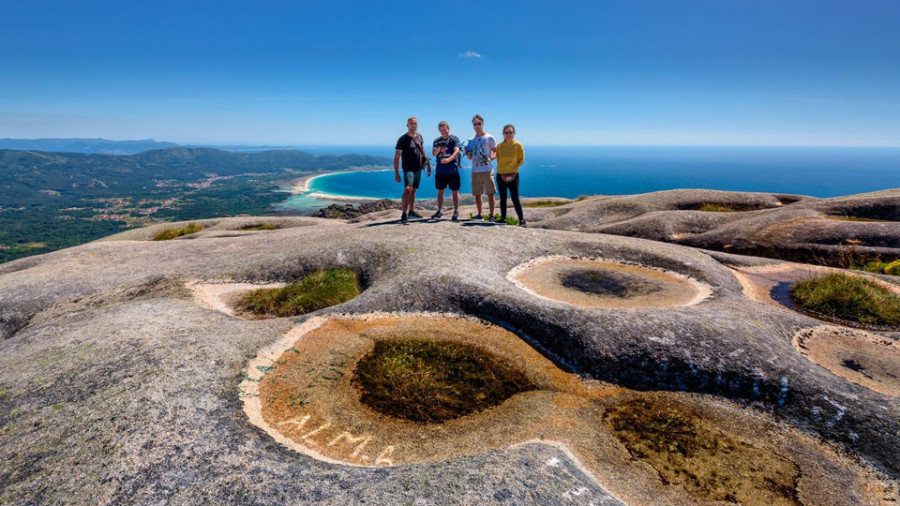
(601, 283)
(317, 290)
(772, 284)
(859, 356)
(308, 392)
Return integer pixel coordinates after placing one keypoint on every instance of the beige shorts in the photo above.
(483, 183)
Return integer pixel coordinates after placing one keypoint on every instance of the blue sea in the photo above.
(609, 170)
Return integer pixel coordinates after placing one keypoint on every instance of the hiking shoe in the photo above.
(438, 215)
(403, 218)
(414, 214)
(478, 217)
(455, 216)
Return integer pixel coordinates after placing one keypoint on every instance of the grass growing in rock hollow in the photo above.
(687, 451)
(716, 208)
(849, 298)
(547, 203)
(321, 289)
(261, 226)
(429, 381)
(172, 233)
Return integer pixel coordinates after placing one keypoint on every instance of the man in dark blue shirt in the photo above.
(446, 150)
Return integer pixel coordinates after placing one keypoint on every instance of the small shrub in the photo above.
(428, 381)
(849, 298)
(893, 268)
(546, 203)
(511, 221)
(321, 289)
(172, 233)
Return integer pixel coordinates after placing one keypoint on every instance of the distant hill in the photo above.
(51, 200)
(33, 177)
(96, 146)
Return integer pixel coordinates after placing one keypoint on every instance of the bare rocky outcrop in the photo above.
(834, 231)
(117, 386)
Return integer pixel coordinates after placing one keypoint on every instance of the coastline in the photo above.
(303, 186)
(302, 190)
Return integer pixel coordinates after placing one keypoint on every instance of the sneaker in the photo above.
(478, 217)
(523, 224)
(414, 214)
(438, 215)
(500, 221)
(455, 216)
(403, 218)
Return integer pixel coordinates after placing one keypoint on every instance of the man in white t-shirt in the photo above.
(482, 150)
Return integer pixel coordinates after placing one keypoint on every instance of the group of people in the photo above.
(482, 149)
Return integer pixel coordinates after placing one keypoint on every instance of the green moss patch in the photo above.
(321, 289)
(261, 226)
(850, 298)
(687, 451)
(429, 381)
(172, 233)
(546, 203)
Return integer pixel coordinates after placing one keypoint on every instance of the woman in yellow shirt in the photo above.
(510, 156)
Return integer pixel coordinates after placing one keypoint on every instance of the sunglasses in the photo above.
(508, 132)
(478, 124)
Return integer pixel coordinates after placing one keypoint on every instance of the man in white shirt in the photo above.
(482, 150)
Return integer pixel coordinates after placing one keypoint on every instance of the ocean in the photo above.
(574, 171)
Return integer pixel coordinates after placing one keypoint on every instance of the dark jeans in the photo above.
(513, 188)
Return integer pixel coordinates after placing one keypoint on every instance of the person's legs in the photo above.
(491, 190)
(454, 182)
(501, 187)
(514, 195)
(405, 199)
(477, 189)
(411, 179)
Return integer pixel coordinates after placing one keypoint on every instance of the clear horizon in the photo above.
(695, 73)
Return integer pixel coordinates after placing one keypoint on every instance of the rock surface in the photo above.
(116, 386)
(832, 231)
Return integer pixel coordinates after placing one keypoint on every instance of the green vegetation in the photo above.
(716, 208)
(321, 289)
(687, 451)
(50, 201)
(879, 267)
(429, 381)
(261, 226)
(847, 297)
(172, 233)
(547, 203)
(511, 221)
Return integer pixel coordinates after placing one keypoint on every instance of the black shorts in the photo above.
(442, 181)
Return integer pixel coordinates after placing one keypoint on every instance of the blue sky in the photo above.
(717, 72)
